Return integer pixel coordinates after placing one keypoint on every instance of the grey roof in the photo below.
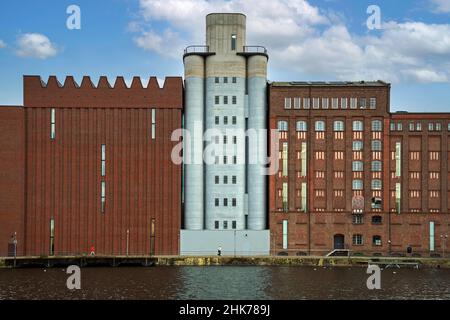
(378, 83)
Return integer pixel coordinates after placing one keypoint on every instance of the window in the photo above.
(225, 100)
(357, 219)
(234, 180)
(234, 119)
(216, 225)
(234, 224)
(217, 121)
(216, 100)
(398, 197)
(53, 124)
(325, 102)
(377, 185)
(376, 240)
(216, 202)
(431, 126)
(233, 202)
(287, 103)
(103, 197)
(357, 240)
(353, 103)
(233, 42)
(419, 126)
(377, 126)
(357, 166)
(225, 80)
(225, 120)
(357, 185)
(377, 166)
(153, 124)
(316, 102)
(392, 127)
(358, 146)
(320, 126)
(377, 220)
(103, 160)
(362, 103)
(306, 103)
(358, 125)
(216, 180)
(412, 127)
(225, 160)
(448, 127)
(302, 126)
(52, 237)
(338, 126)
(234, 159)
(344, 103)
(399, 126)
(304, 197)
(225, 179)
(285, 234)
(216, 80)
(285, 197)
(438, 126)
(297, 103)
(373, 103)
(282, 126)
(225, 139)
(377, 203)
(304, 160)
(225, 225)
(398, 159)
(225, 202)
(234, 101)
(234, 80)
(377, 145)
(284, 157)
(234, 140)
(335, 103)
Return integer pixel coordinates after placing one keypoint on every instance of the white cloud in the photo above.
(440, 6)
(35, 45)
(306, 39)
(2, 44)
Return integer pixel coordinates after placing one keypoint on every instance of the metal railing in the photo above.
(196, 49)
(255, 49)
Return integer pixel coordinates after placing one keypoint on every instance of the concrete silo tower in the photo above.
(225, 95)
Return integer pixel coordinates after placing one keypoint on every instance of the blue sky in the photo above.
(307, 40)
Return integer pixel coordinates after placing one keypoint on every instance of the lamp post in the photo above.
(444, 238)
(389, 245)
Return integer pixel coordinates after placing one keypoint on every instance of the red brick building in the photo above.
(89, 166)
(354, 176)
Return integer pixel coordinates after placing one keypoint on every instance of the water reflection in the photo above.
(225, 283)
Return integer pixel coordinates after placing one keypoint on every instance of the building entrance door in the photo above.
(339, 241)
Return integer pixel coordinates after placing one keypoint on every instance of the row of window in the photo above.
(225, 80)
(225, 120)
(225, 202)
(417, 126)
(225, 160)
(358, 240)
(338, 126)
(358, 166)
(359, 185)
(225, 179)
(225, 225)
(225, 139)
(326, 103)
(225, 99)
(359, 219)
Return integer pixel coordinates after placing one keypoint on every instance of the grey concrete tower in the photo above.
(225, 95)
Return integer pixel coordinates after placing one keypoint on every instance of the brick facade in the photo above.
(354, 202)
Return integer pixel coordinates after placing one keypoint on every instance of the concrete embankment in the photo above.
(313, 261)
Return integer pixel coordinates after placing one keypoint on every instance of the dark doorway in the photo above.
(339, 241)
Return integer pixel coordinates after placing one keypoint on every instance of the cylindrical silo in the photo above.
(193, 151)
(257, 120)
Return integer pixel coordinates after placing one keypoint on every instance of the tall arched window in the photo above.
(377, 125)
(338, 126)
(283, 126)
(320, 126)
(358, 125)
(302, 126)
